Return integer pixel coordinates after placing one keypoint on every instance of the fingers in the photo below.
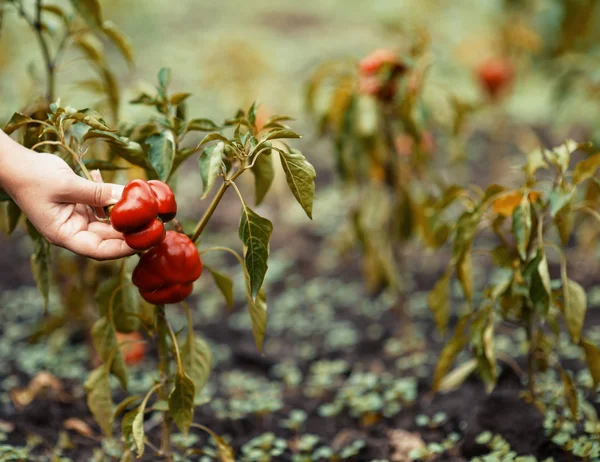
(94, 245)
(81, 191)
(104, 230)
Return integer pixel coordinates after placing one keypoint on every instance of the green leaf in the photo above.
(255, 233)
(252, 113)
(264, 174)
(521, 226)
(197, 361)
(99, 399)
(278, 134)
(17, 121)
(181, 402)
(574, 309)
(201, 125)
(209, 163)
(300, 176)
(164, 77)
(89, 11)
(439, 301)
(161, 153)
(11, 214)
(40, 259)
(125, 301)
(224, 283)
(450, 352)
(119, 39)
(560, 196)
(592, 358)
(455, 379)
(212, 137)
(106, 345)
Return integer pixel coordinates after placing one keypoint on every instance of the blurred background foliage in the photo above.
(229, 53)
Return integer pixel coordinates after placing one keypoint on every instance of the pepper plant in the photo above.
(157, 148)
(526, 223)
(374, 114)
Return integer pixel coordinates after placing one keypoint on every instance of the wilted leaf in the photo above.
(505, 205)
(560, 156)
(123, 405)
(464, 270)
(439, 301)
(226, 453)
(107, 346)
(178, 98)
(137, 429)
(450, 352)
(224, 283)
(181, 402)
(17, 121)
(90, 11)
(455, 379)
(161, 153)
(124, 301)
(592, 358)
(91, 121)
(521, 226)
(40, 259)
(99, 399)
(535, 162)
(11, 214)
(264, 173)
(119, 39)
(258, 315)
(197, 361)
(570, 392)
(574, 309)
(255, 233)
(300, 176)
(209, 163)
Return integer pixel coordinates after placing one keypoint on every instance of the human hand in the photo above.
(56, 201)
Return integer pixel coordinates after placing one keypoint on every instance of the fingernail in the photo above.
(117, 192)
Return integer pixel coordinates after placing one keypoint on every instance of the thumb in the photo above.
(82, 191)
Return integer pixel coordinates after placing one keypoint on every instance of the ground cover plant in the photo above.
(441, 305)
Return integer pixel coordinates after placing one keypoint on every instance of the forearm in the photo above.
(15, 162)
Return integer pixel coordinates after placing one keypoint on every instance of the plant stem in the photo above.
(164, 363)
(531, 352)
(213, 205)
(37, 25)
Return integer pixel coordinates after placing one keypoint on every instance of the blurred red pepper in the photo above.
(166, 273)
(132, 347)
(135, 215)
(495, 75)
